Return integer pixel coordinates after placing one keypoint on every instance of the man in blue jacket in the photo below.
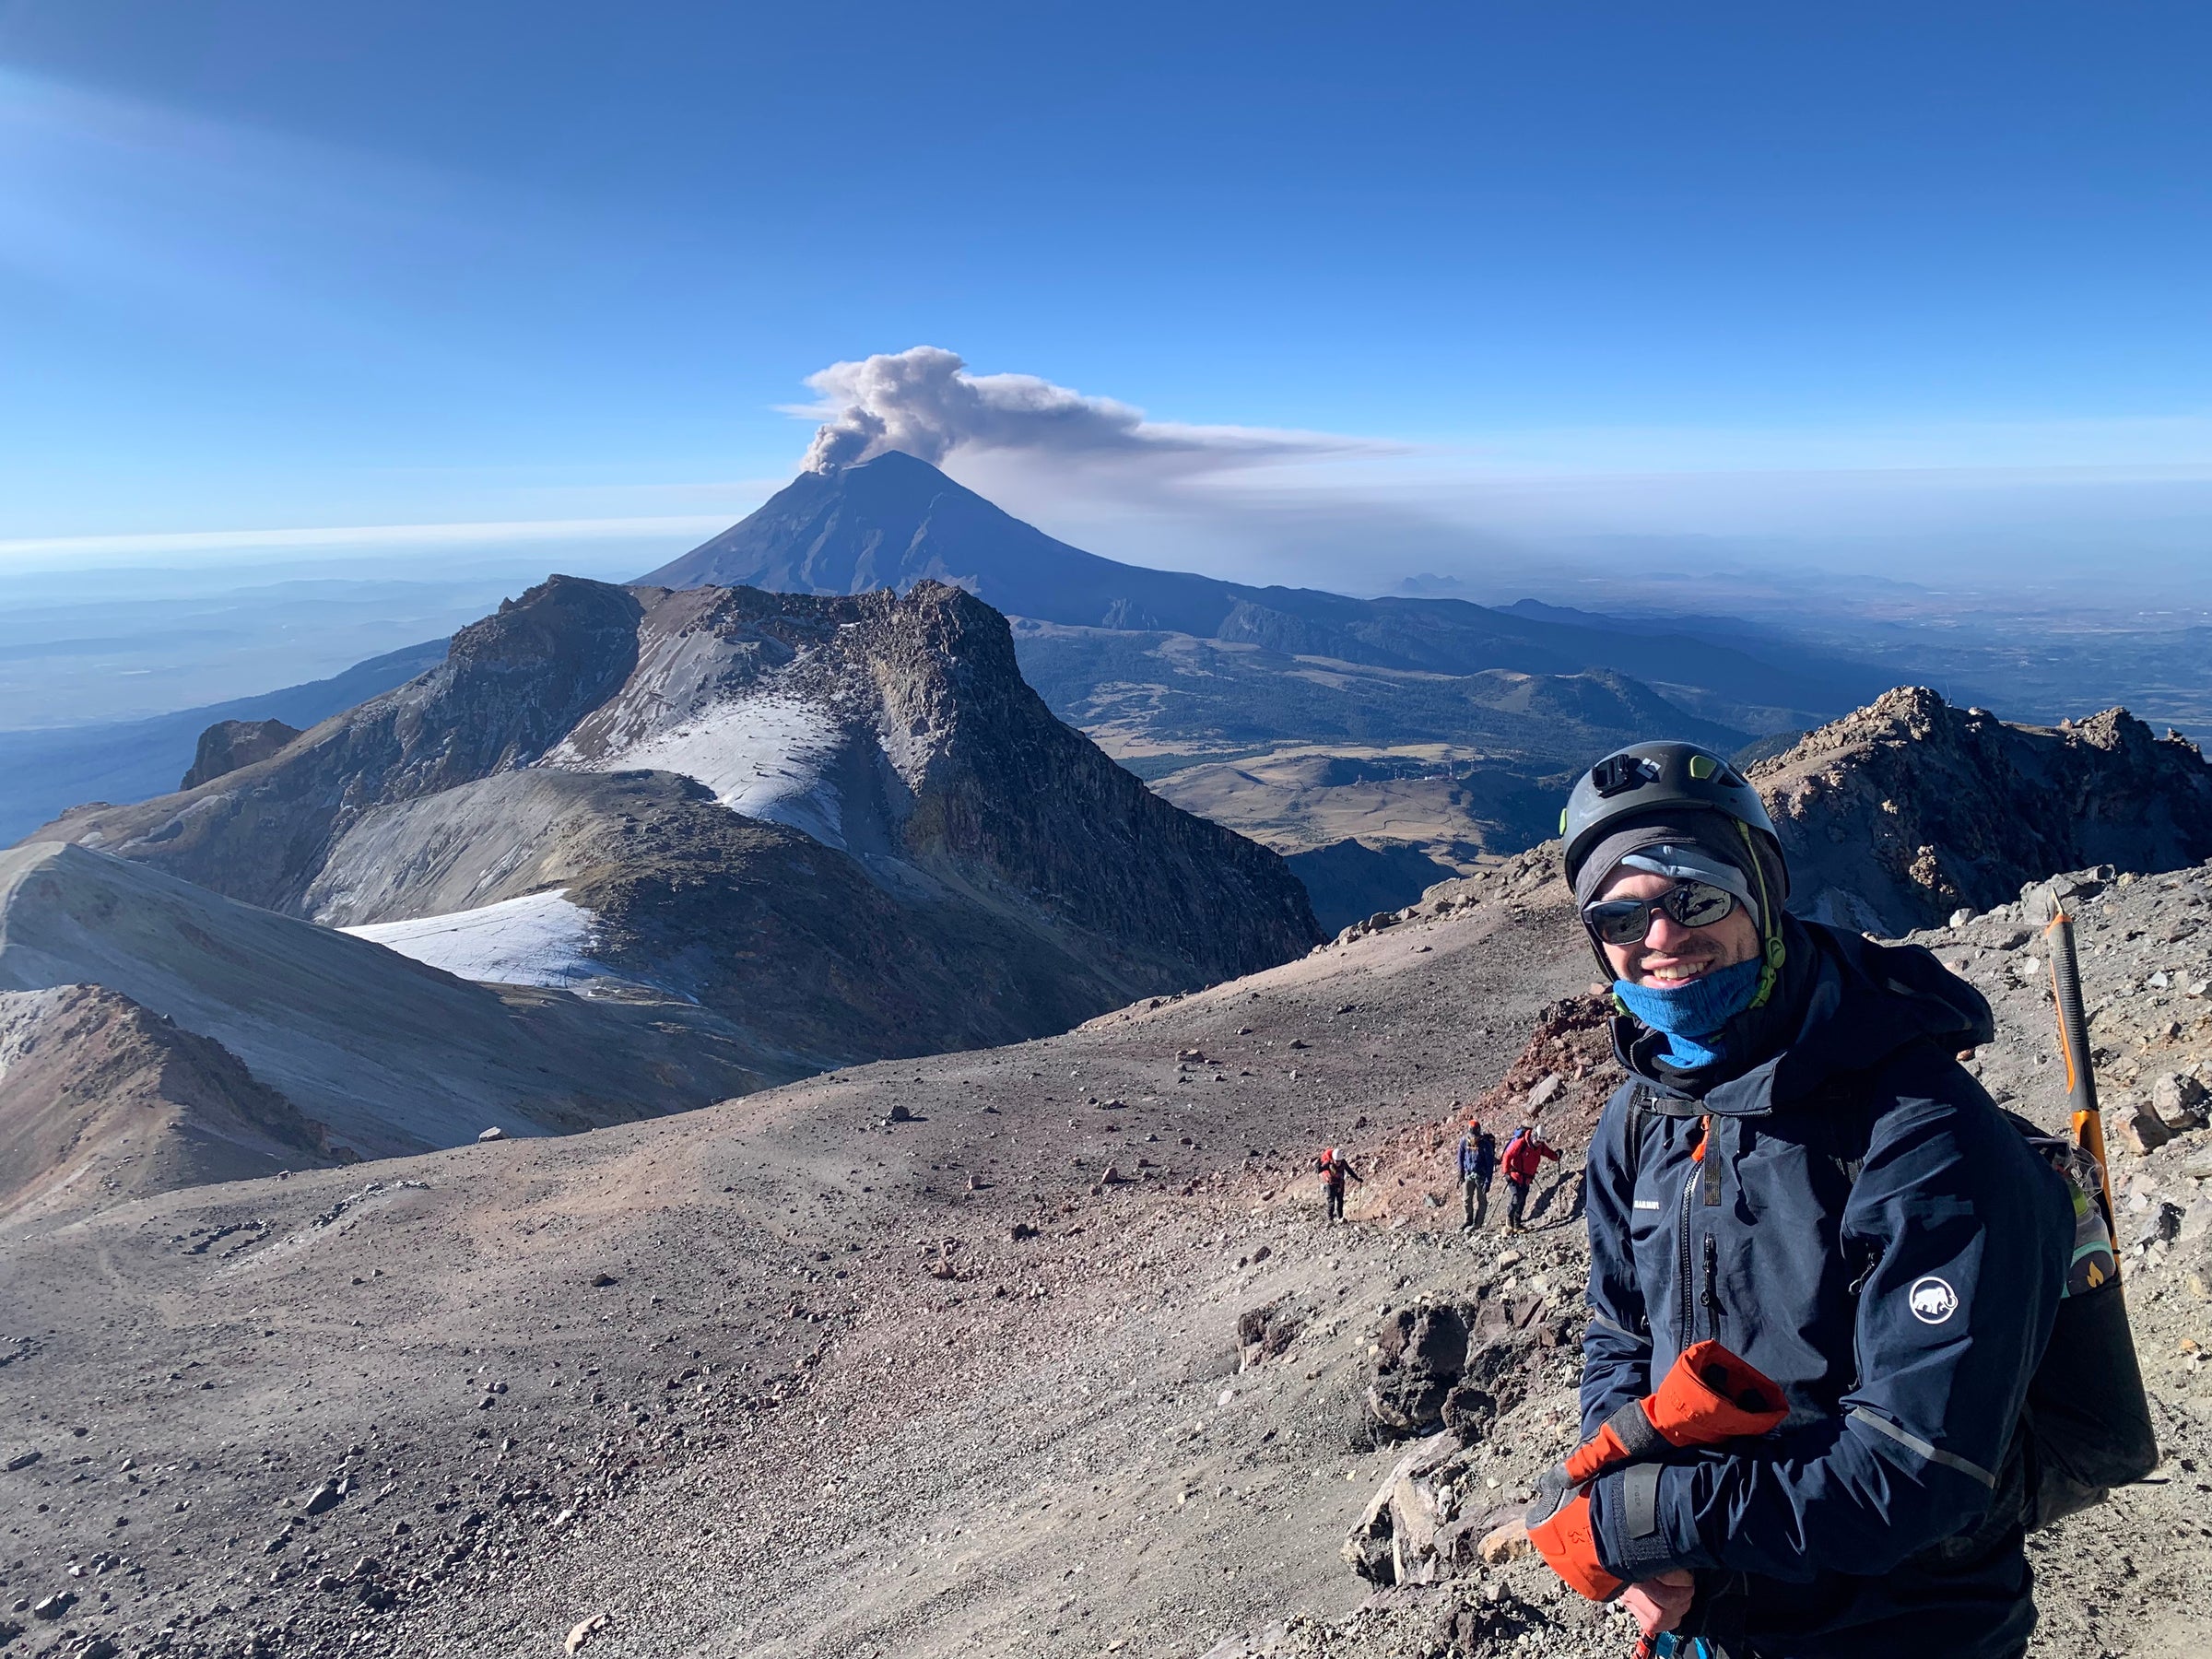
(1477, 1169)
(1800, 1171)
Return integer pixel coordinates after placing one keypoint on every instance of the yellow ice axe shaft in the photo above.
(2074, 1046)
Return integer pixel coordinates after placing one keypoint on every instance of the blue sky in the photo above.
(1879, 283)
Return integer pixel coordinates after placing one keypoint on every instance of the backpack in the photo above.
(2085, 1425)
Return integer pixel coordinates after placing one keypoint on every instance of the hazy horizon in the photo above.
(1573, 295)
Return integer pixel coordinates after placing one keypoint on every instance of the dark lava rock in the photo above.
(1423, 1351)
(228, 745)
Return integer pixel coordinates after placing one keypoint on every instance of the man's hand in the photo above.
(1660, 1603)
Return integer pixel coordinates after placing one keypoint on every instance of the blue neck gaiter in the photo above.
(1693, 1014)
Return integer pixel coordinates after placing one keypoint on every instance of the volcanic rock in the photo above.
(230, 743)
(2179, 1099)
(1908, 809)
(1422, 1353)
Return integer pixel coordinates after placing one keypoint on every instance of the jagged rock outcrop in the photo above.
(102, 1101)
(230, 743)
(1909, 808)
(846, 822)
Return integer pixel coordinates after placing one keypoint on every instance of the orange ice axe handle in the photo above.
(1708, 1398)
(2074, 1048)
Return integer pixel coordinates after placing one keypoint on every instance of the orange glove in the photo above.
(1708, 1397)
(1568, 1547)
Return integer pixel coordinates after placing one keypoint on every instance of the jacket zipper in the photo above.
(1712, 1288)
(1683, 1282)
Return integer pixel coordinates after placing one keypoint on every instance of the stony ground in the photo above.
(790, 1377)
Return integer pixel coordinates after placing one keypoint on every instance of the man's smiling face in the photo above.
(1671, 954)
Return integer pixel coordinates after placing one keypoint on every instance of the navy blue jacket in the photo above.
(1902, 1304)
(1477, 1157)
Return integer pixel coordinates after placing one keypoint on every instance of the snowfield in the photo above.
(766, 757)
(538, 939)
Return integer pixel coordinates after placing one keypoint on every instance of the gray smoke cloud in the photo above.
(924, 402)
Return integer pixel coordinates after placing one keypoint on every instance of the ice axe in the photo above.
(2073, 1047)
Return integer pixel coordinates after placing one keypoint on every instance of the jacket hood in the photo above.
(1847, 1005)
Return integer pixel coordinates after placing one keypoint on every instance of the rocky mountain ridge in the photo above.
(102, 1101)
(380, 1054)
(1908, 810)
(839, 827)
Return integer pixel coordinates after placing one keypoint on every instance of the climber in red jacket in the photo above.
(1525, 1155)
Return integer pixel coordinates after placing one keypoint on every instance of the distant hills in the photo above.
(893, 521)
(43, 772)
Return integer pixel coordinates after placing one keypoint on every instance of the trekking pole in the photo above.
(2074, 1045)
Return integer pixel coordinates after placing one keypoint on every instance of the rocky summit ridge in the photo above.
(1908, 810)
(844, 825)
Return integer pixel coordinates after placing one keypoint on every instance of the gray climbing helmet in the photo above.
(1662, 784)
(1649, 779)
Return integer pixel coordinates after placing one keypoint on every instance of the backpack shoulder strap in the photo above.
(1642, 1106)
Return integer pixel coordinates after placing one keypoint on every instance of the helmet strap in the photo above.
(1773, 951)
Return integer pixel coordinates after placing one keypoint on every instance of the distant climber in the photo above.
(1477, 1169)
(1335, 1170)
(1525, 1155)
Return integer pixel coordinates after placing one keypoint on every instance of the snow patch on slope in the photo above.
(767, 756)
(538, 939)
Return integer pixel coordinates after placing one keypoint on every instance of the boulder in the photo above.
(2179, 1099)
(2141, 1130)
(1264, 1333)
(1394, 1540)
(1420, 1352)
(1493, 1380)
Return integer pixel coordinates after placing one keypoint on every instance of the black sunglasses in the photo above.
(1627, 921)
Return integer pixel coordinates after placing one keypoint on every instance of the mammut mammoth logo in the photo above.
(1933, 1301)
